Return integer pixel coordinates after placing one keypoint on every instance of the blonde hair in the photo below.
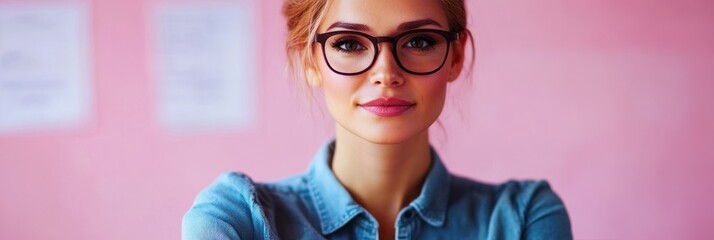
(304, 17)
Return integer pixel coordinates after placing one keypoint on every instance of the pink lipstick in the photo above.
(387, 107)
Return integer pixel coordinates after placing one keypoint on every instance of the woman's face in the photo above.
(413, 102)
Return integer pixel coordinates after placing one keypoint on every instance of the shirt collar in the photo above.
(336, 207)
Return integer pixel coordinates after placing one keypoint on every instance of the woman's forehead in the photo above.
(384, 17)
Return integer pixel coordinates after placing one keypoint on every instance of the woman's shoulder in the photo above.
(228, 190)
(222, 210)
(531, 203)
(228, 185)
(238, 187)
(234, 205)
(522, 190)
(525, 190)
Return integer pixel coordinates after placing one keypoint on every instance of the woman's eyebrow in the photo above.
(352, 26)
(401, 27)
(417, 23)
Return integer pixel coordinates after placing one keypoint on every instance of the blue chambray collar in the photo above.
(335, 206)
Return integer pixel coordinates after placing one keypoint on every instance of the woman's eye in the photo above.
(419, 43)
(347, 46)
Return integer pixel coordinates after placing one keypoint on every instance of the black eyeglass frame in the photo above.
(449, 36)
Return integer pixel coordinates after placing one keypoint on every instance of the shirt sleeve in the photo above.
(545, 216)
(221, 211)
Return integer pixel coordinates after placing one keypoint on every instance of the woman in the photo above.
(383, 67)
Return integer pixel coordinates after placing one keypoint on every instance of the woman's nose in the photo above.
(386, 72)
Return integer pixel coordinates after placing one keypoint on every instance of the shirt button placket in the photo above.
(405, 226)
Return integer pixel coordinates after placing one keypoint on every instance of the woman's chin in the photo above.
(388, 136)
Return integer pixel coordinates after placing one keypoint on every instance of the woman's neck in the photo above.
(383, 178)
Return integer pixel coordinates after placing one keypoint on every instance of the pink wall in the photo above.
(610, 100)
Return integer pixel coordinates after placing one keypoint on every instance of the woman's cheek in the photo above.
(338, 93)
(435, 85)
(433, 92)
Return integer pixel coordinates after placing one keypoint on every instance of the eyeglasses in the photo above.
(420, 51)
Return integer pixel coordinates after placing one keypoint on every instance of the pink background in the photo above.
(611, 101)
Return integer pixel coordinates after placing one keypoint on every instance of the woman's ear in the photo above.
(457, 59)
(313, 77)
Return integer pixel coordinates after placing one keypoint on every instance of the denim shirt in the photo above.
(314, 205)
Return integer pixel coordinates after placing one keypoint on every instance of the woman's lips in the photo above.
(387, 107)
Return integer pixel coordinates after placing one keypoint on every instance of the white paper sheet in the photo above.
(206, 66)
(44, 68)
